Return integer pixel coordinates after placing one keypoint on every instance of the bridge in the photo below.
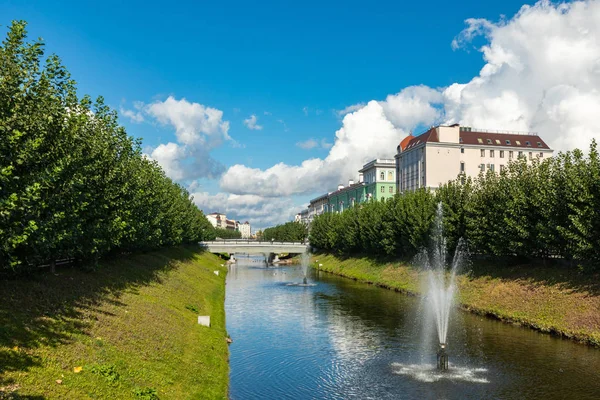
(254, 247)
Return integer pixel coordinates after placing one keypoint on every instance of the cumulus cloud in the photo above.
(198, 129)
(251, 123)
(261, 212)
(541, 73)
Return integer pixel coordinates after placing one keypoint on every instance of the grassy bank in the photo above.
(550, 299)
(126, 331)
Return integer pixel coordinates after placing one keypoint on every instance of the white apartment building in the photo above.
(217, 220)
(443, 152)
(244, 229)
(318, 206)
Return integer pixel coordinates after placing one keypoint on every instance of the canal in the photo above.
(341, 339)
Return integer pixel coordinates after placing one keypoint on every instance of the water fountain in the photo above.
(305, 260)
(441, 284)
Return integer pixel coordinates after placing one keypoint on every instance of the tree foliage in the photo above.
(288, 232)
(540, 209)
(73, 184)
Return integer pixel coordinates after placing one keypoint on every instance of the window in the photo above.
(491, 167)
(462, 167)
(383, 189)
(462, 150)
(482, 167)
(510, 154)
(497, 141)
(489, 141)
(482, 153)
(518, 142)
(520, 154)
(460, 140)
(479, 140)
(539, 144)
(541, 155)
(528, 143)
(382, 176)
(508, 142)
(390, 176)
(501, 153)
(391, 190)
(501, 167)
(530, 155)
(492, 153)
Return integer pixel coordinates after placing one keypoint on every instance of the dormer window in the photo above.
(460, 140)
(480, 140)
(518, 142)
(508, 142)
(489, 141)
(497, 141)
(528, 143)
(539, 144)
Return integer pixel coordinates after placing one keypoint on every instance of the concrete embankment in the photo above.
(127, 330)
(552, 299)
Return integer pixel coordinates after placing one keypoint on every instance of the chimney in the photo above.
(351, 182)
(340, 186)
(360, 178)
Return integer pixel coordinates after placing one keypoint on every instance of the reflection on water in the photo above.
(341, 339)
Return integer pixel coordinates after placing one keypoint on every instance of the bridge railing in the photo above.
(253, 242)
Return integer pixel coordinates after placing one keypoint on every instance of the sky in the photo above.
(257, 107)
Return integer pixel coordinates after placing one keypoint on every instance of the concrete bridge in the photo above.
(268, 248)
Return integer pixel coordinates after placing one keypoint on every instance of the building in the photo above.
(230, 225)
(302, 216)
(379, 179)
(346, 197)
(217, 220)
(443, 152)
(318, 206)
(244, 230)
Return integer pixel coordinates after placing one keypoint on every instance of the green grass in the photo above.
(131, 326)
(549, 298)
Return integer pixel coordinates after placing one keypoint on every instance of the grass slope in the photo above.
(131, 327)
(550, 299)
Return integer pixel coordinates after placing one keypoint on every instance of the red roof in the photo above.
(405, 141)
(484, 138)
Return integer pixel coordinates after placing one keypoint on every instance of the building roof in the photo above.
(380, 162)
(405, 141)
(472, 136)
(344, 189)
(324, 196)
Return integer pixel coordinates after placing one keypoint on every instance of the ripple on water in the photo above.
(429, 373)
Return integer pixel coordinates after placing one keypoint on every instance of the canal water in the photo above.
(341, 339)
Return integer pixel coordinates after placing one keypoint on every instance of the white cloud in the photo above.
(285, 127)
(312, 143)
(251, 123)
(305, 110)
(261, 212)
(350, 109)
(135, 115)
(198, 129)
(541, 73)
(268, 113)
(308, 144)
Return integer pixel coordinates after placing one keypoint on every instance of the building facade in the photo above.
(444, 152)
(379, 179)
(318, 206)
(244, 229)
(217, 220)
(346, 197)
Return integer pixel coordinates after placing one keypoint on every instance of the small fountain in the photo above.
(441, 284)
(305, 260)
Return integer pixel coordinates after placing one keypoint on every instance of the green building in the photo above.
(377, 181)
(379, 177)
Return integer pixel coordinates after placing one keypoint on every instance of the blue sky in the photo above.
(292, 65)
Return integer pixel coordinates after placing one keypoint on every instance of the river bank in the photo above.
(127, 330)
(550, 299)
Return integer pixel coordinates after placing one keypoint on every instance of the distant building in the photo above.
(443, 152)
(230, 225)
(302, 216)
(217, 220)
(318, 206)
(244, 230)
(346, 196)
